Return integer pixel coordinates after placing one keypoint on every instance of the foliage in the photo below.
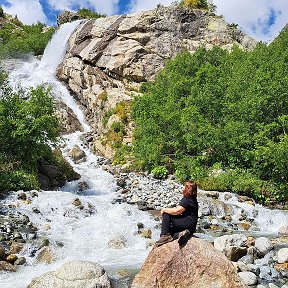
(19, 38)
(27, 126)
(160, 172)
(88, 14)
(2, 15)
(218, 107)
(199, 4)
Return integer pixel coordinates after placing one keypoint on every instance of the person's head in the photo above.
(190, 189)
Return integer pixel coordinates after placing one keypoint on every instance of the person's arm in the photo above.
(173, 211)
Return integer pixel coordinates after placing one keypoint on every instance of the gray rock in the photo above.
(263, 245)
(247, 259)
(271, 285)
(222, 243)
(74, 274)
(20, 261)
(248, 278)
(282, 255)
(234, 253)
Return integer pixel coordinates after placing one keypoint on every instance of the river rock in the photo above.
(5, 266)
(20, 261)
(263, 245)
(197, 265)
(283, 231)
(11, 258)
(117, 242)
(248, 278)
(45, 255)
(224, 242)
(77, 154)
(234, 253)
(282, 255)
(74, 274)
(2, 252)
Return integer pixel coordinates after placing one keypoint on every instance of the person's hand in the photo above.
(162, 211)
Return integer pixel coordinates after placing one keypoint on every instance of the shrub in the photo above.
(87, 14)
(160, 172)
(199, 4)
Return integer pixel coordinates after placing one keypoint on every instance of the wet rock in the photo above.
(247, 259)
(140, 225)
(5, 266)
(16, 247)
(222, 243)
(82, 186)
(22, 196)
(74, 274)
(248, 278)
(2, 252)
(283, 231)
(11, 258)
(254, 268)
(234, 253)
(42, 242)
(147, 233)
(45, 255)
(244, 225)
(77, 154)
(121, 182)
(76, 202)
(282, 255)
(20, 261)
(263, 245)
(36, 210)
(117, 242)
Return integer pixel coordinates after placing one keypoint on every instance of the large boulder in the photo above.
(197, 265)
(74, 274)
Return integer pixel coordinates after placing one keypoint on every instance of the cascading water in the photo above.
(80, 233)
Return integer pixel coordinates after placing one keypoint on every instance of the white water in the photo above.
(84, 233)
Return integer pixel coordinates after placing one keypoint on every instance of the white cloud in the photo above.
(106, 7)
(140, 5)
(28, 11)
(251, 15)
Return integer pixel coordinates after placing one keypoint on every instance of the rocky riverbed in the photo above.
(235, 224)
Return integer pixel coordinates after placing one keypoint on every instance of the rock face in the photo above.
(108, 58)
(74, 274)
(196, 265)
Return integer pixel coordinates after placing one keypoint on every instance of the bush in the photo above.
(219, 107)
(2, 15)
(160, 172)
(199, 4)
(88, 14)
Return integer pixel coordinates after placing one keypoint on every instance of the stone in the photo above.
(76, 202)
(74, 274)
(282, 255)
(77, 154)
(11, 258)
(234, 253)
(45, 255)
(20, 261)
(5, 266)
(247, 259)
(222, 243)
(2, 252)
(271, 285)
(263, 245)
(147, 233)
(22, 196)
(281, 266)
(197, 265)
(248, 278)
(117, 242)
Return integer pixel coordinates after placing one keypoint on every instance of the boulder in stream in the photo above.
(74, 274)
(197, 265)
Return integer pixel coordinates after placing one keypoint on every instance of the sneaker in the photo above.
(164, 239)
(184, 237)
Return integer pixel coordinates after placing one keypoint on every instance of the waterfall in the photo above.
(33, 72)
(83, 234)
(56, 48)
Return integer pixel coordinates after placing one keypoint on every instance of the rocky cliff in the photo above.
(108, 58)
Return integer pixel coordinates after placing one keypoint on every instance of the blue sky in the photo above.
(261, 19)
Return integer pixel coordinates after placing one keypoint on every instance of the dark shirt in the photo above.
(191, 207)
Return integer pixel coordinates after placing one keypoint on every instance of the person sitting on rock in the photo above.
(180, 222)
